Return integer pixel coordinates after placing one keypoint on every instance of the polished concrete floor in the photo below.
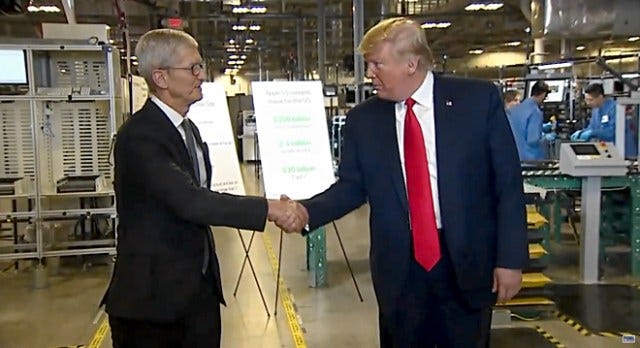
(65, 313)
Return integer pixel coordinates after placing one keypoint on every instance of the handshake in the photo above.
(287, 214)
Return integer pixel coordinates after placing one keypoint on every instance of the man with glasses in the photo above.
(166, 289)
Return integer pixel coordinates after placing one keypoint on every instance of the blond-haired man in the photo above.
(166, 289)
(436, 160)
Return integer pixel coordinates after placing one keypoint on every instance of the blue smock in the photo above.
(526, 124)
(603, 127)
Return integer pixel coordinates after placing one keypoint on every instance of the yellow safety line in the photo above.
(287, 303)
(576, 326)
(100, 334)
(550, 338)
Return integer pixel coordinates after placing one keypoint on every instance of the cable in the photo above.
(519, 317)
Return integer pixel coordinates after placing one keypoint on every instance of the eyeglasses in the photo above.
(196, 69)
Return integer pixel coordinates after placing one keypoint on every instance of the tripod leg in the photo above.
(275, 309)
(355, 282)
(246, 260)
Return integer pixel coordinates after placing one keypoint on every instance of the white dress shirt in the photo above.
(425, 114)
(177, 120)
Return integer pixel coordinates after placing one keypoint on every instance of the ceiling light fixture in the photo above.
(239, 27)
(42, 8)
(580, 48)
(249, 41)
(435, 25)
(476, 51)
(244, 9)
(631, 75)
(555, 66)
(513, 43)
(255, 27)
(633, 38)
(488, 6)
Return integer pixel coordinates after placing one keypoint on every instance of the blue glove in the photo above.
(586, 134)
(547, 127)
(550, 137)
(576, 135)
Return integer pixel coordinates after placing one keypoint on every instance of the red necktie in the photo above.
(422, 215)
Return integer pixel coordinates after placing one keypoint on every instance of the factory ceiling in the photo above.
(268, 32)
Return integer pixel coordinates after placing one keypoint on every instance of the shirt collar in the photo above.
(424, 94)
(173, 115)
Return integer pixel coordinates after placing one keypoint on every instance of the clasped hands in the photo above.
(287, 214)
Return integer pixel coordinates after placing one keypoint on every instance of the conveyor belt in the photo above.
(534, 280)
(536, 251)
(528, 301)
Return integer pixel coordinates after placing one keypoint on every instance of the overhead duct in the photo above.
(584, 18)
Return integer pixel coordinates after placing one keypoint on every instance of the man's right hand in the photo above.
(289, 215)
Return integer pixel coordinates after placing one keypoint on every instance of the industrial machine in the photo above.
(591, 161)
(249, 136)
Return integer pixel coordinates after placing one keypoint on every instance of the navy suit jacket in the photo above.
(479, 182)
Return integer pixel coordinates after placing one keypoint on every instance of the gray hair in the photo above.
(157, 49)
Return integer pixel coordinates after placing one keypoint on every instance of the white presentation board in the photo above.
(292, 138)
(211, 115)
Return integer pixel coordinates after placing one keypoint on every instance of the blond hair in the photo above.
(157, 49)
(405, 34)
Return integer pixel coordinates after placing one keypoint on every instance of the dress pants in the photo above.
(430, 312)
(200, 327)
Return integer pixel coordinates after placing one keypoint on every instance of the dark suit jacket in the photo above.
(479, 181)
(163, 217)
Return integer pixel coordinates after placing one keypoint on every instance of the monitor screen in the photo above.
(330, 90)
(13, 68)
(585, 150)
(557, 91)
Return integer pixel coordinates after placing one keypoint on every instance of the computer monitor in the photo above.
(557, 88)
(13, 67)
(330, 90)
(557, 91)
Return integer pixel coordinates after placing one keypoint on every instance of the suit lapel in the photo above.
(171, 134)
(389, 140)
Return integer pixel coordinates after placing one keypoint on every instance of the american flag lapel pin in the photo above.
(448, 103)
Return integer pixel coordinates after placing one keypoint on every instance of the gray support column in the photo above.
(590, 219)
(384, 8)
(358, 60)
(69, 11)
(300, 40)
(322, 42)
(260, 65)
(538, 51)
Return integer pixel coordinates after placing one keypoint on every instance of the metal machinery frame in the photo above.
(56, 145)
(550, 178)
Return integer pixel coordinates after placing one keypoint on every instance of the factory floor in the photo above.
(65, 313)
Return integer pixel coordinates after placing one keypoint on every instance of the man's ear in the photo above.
(159, 79)
(412, 63)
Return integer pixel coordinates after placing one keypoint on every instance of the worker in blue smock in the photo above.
(602, 125)
(526, 122)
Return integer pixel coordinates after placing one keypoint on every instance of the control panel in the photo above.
(591, 159)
